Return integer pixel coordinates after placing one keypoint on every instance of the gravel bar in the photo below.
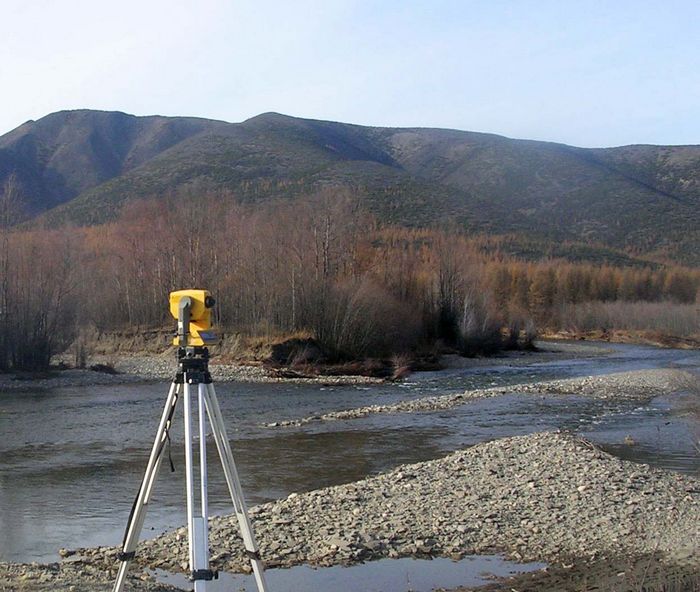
(140, 369)
(162, 367)
(72, 575)
(134, 368)
(550, 497)
(636, 385)
(543, 497)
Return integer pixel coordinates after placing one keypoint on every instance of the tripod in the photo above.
(193, 377)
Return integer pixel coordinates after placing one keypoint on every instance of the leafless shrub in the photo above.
(83, 347)
(479, 330)
(38, 310)
(529, 335)
(80, 355)
(511, 338)
(359, 319)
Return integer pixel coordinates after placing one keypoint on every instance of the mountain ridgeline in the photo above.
(81, 166)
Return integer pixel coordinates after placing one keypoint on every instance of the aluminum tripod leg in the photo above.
(138, 512)
(234, 485)
(197, 525)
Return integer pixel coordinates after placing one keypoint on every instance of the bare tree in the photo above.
(10, 214)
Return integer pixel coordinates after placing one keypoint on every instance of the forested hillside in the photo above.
(644, 201)
(64, 154)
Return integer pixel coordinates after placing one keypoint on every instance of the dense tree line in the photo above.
(320, 265)
(542, 287)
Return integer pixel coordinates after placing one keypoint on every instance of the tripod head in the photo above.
(192, 309)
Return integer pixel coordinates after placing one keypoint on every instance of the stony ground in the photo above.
(147, 367)
(162, 367)
(134, 369)
(637, 385)
(70, 576)
(548, 497)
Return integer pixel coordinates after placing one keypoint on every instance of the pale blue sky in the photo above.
(589, 73)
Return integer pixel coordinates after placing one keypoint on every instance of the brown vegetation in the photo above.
(36, 280)
(318, 267)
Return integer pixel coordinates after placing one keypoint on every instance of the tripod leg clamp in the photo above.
(203, 574)
(126, 556)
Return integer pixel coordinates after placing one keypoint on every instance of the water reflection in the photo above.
(385, 575)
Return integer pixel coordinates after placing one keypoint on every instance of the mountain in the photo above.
(66, 153)
(80, 166)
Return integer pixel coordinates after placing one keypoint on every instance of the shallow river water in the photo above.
(71, 459)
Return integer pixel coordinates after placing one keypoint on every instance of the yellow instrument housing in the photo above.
(200, 316)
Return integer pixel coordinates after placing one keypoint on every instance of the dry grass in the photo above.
(239, 347)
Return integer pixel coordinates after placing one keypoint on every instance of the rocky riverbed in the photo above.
(71, 576)
(134, 369)
(637, 385)
(147, 367)
(547, 497)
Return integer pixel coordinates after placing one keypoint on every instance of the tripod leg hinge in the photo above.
(253, 554)
(203, 574)
(126, 556)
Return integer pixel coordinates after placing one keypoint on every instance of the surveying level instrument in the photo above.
(192, 309)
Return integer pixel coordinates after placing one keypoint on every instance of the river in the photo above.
(71, 459)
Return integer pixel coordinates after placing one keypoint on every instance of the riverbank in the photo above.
(637, 385)
(125, 369)
(549, 497)
(650, 573)
(132, 368)
(71, 576)
(652, 338)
